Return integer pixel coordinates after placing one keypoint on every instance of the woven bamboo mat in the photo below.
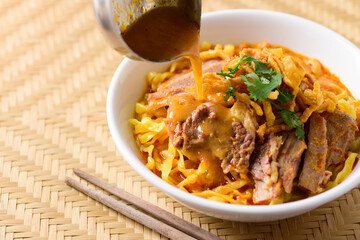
(55, 69)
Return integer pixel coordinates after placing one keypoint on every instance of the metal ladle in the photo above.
(116, 16)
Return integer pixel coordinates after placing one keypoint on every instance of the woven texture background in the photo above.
(55, 69)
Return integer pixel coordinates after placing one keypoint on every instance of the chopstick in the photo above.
(162, 215)
(130, 212)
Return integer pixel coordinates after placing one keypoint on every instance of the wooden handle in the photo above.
(145, 206)
(130, 212)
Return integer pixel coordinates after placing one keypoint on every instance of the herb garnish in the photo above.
(260, 84)
(231, 71)
(229, 93)
(285, 97)
(292, 120)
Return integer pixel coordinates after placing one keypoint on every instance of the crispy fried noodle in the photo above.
(274, 126)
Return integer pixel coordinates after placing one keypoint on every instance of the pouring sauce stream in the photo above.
(166, 33)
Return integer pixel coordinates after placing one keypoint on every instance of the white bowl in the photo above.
(237, 26)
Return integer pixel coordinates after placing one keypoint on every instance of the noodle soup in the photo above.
(273, 126)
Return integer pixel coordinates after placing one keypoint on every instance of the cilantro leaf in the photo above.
(276, 78)
(229, 93)
(259, 66)
(284, 96)
(292, 120)
(260, 84)
(260, 88)
(226, 74)
(231, 71)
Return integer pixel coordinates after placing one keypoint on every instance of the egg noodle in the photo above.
(175, 167)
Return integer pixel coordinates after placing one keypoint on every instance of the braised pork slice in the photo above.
(264, 171)
(243, 145)
(289, 159)
(179, 83)
(341, 128)
(243, 139)
(313, 172)
(208, 130)
(188, 133)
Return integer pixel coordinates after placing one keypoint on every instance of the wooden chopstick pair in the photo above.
(162, 221)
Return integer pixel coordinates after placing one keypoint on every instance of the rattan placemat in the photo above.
(55, 69)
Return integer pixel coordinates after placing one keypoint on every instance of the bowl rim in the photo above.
(308, 203)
